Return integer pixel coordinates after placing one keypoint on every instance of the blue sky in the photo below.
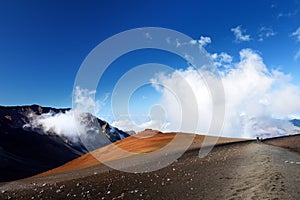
(43, 43)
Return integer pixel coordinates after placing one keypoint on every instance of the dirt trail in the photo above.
(247, 170)
(265, 172)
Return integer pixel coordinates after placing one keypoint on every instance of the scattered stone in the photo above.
(58, 191)
(3, 191)
(297, 163)
(32, 197)
(108, 192)
(44, 184)
(78, 184)
(41, 191)
(168, 179)
(62, 187)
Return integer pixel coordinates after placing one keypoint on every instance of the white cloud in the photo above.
(297, 55)
(129, 125)
(84, 100)
(258, 101)
(155, 120)
(193, 42)
(222, 59)
(203, 41)
(265, 32)
(296, 34)
(239, 34)
(74, 123)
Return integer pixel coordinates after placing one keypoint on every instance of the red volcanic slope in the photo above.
(144, 142)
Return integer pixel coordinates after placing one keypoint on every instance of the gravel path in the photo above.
(246, 170)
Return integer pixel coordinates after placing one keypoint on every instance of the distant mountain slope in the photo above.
(25, 152)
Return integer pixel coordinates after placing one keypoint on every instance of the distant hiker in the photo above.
(257, 139)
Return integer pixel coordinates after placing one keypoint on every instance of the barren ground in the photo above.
(246, 170)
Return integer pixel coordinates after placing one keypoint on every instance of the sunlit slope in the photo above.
(144, 142)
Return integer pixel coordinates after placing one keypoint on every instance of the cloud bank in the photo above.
(259, 101)
(74, 124)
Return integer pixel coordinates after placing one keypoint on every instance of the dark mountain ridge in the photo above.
(24, 151)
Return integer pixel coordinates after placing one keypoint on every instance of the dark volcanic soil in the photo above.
(247, 170)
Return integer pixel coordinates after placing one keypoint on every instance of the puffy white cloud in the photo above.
(203, 41)
(265, 32)
(193, 42)
(239, 34)
(222, 59)
(74, 123)
(296, 34)
(258, 100)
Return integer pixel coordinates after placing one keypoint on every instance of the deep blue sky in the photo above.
(43, 43)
